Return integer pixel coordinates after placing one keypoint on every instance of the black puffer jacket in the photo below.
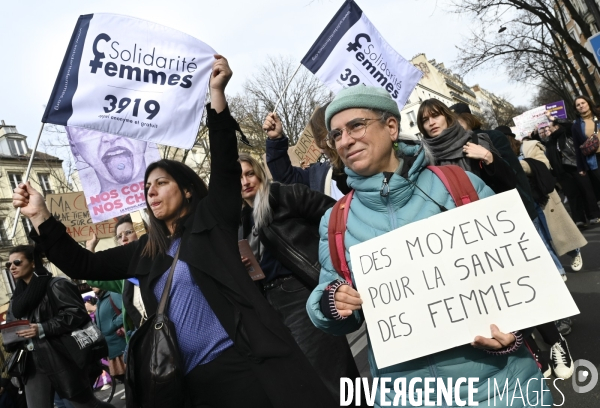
(59, 316)
(293, 234)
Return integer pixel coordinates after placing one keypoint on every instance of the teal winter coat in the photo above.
(109, 322)
(372, 215)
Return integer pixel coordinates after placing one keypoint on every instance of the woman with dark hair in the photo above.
(326, 177)
(54, 309)
(585, 126)
(281, 224)
(450, 143)
(234, 349)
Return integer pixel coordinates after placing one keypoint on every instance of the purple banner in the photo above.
(557, 109)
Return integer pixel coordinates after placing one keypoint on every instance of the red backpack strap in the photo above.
(336, 230)
(457, 183)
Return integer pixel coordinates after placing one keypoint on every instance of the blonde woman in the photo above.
(281, 224)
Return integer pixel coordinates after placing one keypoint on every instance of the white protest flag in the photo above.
(439, 282)
(111, 170)
(133, 78)
(350, 51)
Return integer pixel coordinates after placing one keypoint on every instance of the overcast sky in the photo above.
(35, 35)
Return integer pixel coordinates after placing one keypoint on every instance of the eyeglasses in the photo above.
(17, 262)
(124, 234)
(356, 129)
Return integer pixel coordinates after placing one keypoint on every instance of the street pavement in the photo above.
(584, 340)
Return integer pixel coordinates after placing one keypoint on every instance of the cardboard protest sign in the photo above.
(130, 77)
(350, 51)
(72, 211)
(111, 169)
(306, 149)
(439, 282)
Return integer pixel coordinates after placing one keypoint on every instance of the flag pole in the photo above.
(18, 212)
(285, 89)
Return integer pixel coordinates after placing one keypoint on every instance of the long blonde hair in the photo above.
(261, 210)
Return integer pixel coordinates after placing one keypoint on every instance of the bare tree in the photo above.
(265, 88)
(494, 115)
(533, 46)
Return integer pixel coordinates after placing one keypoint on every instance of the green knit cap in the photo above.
(369, 97)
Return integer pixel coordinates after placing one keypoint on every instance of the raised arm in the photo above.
(278, 160)
(71, 258)
(224, 199)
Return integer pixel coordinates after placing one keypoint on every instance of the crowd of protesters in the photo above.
(279, 341)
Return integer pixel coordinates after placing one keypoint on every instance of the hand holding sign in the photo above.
(347, 300)
(455, 277)
(499, 340)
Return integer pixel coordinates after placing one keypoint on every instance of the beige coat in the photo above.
(565, 234)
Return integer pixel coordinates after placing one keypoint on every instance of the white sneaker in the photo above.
(106, 387)
(561, 361)
(564, 277)
(577, 263)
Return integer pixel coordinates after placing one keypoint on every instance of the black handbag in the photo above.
(154, 370)
(17, 364)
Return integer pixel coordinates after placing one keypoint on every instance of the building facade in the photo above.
(47, 176)
(440, 83)
(575, 32)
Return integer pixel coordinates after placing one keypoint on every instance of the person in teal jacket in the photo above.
(133, 310)
(384, 169)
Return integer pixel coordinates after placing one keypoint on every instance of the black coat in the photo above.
(60, 311)
(209, 247)
(293, 234)
(500, 142)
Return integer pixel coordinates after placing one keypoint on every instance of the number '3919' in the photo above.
(151, 107)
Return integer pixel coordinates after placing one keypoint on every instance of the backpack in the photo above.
(454, 179)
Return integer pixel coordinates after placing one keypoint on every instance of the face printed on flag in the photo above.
(111, 170)
(115, 159)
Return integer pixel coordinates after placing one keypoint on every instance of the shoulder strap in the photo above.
(336, 230)
(457, 183)
(115, 308)
(475, 138)
(165, 295)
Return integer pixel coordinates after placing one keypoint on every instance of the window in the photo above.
(4, 241)
(17, 147)
(573, 34)
(15, 179)
(45, 183)
(411, 118)
(27, 227)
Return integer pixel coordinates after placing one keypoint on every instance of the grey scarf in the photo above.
(447, 147)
